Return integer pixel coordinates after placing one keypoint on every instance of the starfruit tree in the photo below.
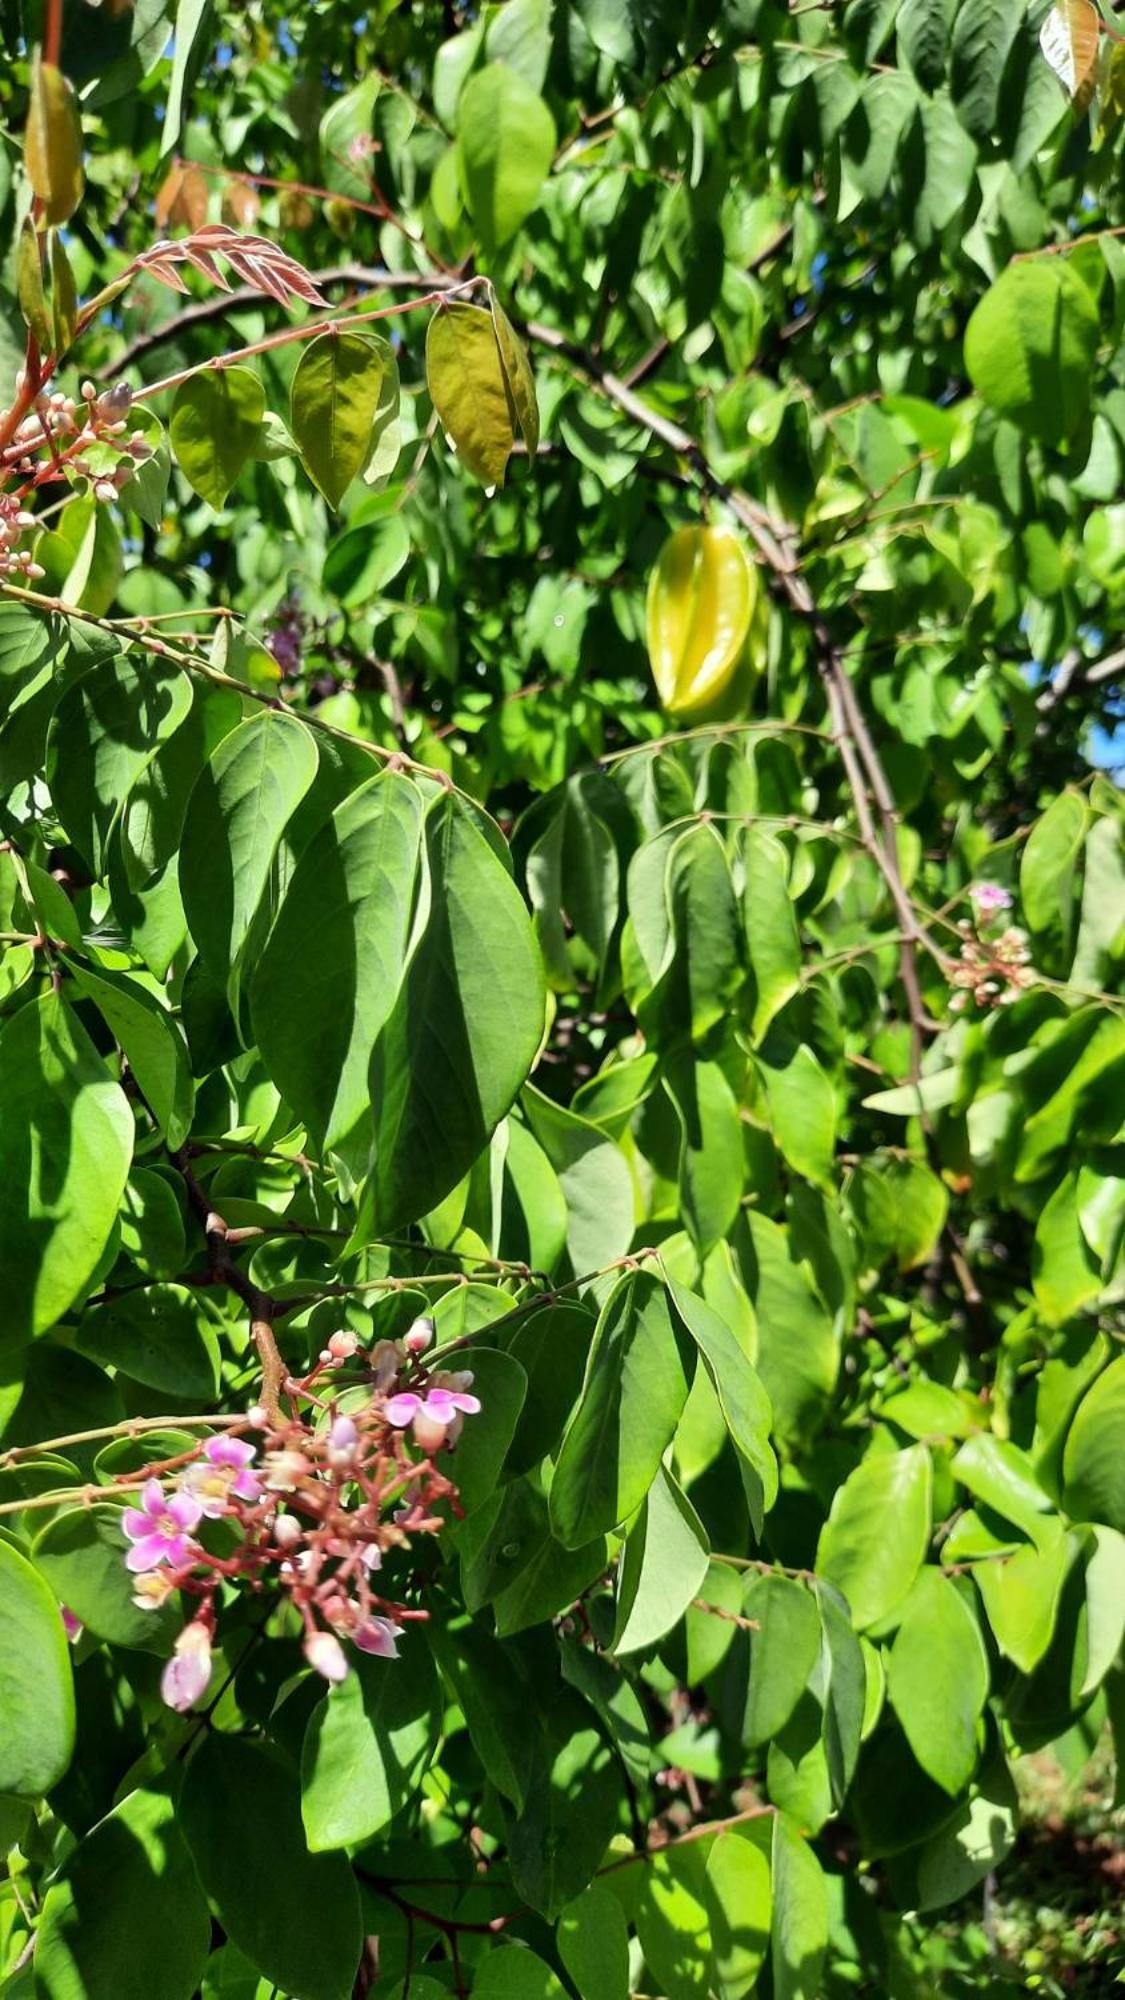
(562, 1182)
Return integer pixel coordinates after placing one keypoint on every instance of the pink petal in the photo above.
(147, 1554)
(463, 1401)
(135, 1523)
(152, 1497)
(399, 1409)
(185, 1510)
(441, 1404)
(246, 1487)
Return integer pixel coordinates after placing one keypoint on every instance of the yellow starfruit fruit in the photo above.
(701, 599)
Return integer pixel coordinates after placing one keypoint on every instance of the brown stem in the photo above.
(224, 1271)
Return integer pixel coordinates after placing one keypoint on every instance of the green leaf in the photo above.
(153, 1044)
(632, 1396)
(783, 1652)
(509, 1558)
(241, 1817)
(66, 1143)
(1021, 1595)
(334, 399)
(923, 38)
(505, 146)
(983, 34)
(1048, 861)
(465, 1025)
(901, 1209)
(937, 1678)
(501, 1384)
(684, 920)
(840, 1685)
(800, 1913)
(327, 980)
(771, 927)
(127, 1919)
(798, 1353)
(82, 1555)
(1065, 1273)
(741, 1397)
(192, 17)
(107, 729)
(556, 1844)
(368, 1745)
(36, 1689)
(802, 1109)
(238, 811)
(158, 1335)
(1030, 346)
(999, 1473)
(216, 417)
(515, 1972)
(494, 1702)
(873, 1569)
(1093, 1463)
(595, 1180)
(662, 1569)
(1105, 1605)
(520, 380)
(711, 1156)
(593, 1943)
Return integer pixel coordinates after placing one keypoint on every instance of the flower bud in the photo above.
(342, 1345)
(188, 1674)
(327, 1656)
(283, 1470)
(419, 1336)
(287, 1531)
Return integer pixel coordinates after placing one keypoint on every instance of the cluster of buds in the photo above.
(993, 967)
(286, 637)
(310, 1508)
(14, 522)
(84, 439)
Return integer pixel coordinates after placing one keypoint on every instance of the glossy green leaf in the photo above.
(240, 1814)
(800, 1913)
(36, 1689)
(327, 980)
(238, 811)
(81, 1552)
(127, 1920)
(593, 1944)
(632, 1395)
(367, 1747)
(783, 1651)
(1030, 346)
(938, 1679)
(153, 1045)
(505, 145)
(663, 1566)
(216, 417)
(1093, 1468)
(66, 1143)
(875, 1570)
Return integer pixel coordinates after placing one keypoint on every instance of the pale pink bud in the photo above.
(287, 1531)
(327, 1656)
(419, 1336)
(343, 1345)
(188, 1673)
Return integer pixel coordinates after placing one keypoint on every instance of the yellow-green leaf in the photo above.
(215, 422)
(53, 143)
(469, 388)
(29, 285)
(64, 296)
(333, 407)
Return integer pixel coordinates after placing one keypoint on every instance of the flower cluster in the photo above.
(64, 439)
(345, 1476)
(992, 969)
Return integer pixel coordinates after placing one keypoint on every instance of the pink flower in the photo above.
(72, 1626)
(188, 1673)
(437, 1406)
(222, 1474)
(989, 897)
(378, 1635)
(160, 1527)
(326, 1654)
(152, 1589)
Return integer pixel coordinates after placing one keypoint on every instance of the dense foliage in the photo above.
(562, 1179)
